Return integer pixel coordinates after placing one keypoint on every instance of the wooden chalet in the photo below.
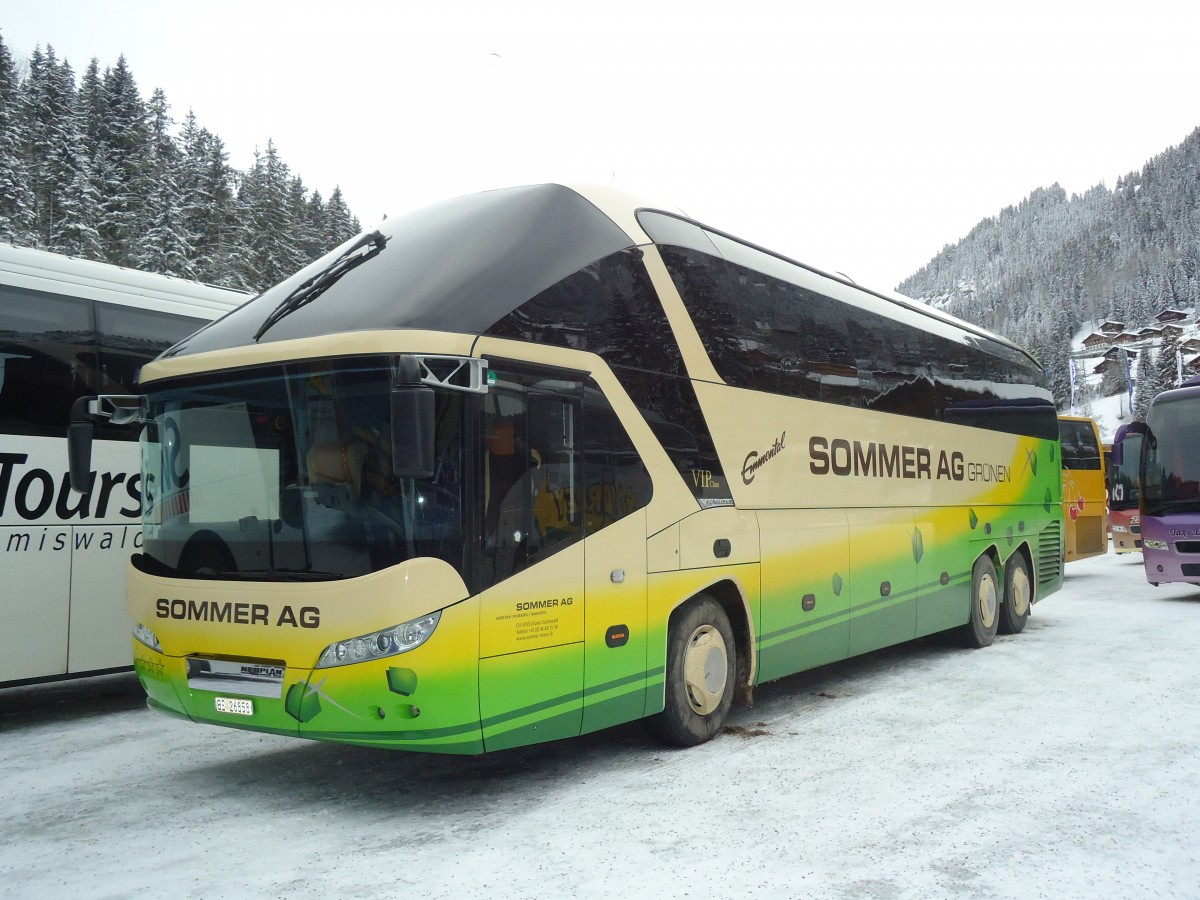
(1172, 315)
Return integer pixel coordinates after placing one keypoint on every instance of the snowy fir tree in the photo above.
(95, 170)
(1168, 362)
(16, 196)
(1147, 385)
(1037, 271)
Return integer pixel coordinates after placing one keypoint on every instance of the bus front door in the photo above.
(531, 624)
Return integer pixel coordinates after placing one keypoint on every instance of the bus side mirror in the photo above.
(412, 431)
(79, 445)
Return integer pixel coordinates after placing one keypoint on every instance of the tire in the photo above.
(701, 664)
(980, 629)
(1018, 595)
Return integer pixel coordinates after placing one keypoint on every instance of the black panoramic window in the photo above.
(610, 308)
(766, 332)
(458, 266)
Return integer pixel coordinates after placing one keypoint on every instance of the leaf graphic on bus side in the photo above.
(837, 584)
(300, 707)
(1009, 535)
(918, 544)
(974, 519)
(402, 681)
(1048, 501)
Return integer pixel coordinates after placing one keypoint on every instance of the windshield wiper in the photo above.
(314, 287)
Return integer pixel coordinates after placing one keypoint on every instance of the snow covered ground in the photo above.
(1061, 763)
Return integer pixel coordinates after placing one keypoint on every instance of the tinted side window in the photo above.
(766, 334)
(610, 308)
(769, 334)
(54, 349)
(558, 465)
(47, 359)
(131, 337)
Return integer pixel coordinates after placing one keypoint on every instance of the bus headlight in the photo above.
(379, 644)
(1121, 529)
(1155, 545)
(144, 635)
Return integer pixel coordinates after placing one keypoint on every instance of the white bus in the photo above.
(70, 328)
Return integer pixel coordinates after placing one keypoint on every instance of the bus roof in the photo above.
(42, 270)
(466, 262)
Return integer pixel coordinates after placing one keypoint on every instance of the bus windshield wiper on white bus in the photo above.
(314, 287)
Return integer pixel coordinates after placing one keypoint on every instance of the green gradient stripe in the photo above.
(634, 681)
(630, 682)
(854, 612)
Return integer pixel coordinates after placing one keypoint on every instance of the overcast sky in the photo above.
(858, 136)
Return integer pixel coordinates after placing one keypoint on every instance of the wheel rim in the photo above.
(988, 601)
(705, 669)
(1020, 591)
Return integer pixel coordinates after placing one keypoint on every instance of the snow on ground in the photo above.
(1059, 763)
(1110, 414)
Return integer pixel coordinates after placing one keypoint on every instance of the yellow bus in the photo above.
(1084, 491)
(533, 462)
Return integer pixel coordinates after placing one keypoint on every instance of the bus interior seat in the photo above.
(503, 468)
(337, 465)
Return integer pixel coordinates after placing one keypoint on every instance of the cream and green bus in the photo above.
(534, 462)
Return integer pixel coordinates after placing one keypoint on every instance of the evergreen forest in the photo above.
(1042, 270)
(89, 168)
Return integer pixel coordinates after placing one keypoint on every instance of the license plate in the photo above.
(236, 706)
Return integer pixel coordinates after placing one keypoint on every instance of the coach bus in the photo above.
(1124, 494)
(1085, 515)
(533, 462)
(70, 328)
(1169, 474)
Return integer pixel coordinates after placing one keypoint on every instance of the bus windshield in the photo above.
(1124, 490)
(285, 474)
(1170, 463)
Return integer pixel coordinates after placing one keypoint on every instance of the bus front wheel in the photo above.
(701, 663)
(1018, 594)
(980, 629)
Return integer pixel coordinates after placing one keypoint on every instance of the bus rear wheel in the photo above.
(1018, 595)
(980, 629)
(701, 664)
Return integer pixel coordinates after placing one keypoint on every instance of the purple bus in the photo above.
(1170, 483)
